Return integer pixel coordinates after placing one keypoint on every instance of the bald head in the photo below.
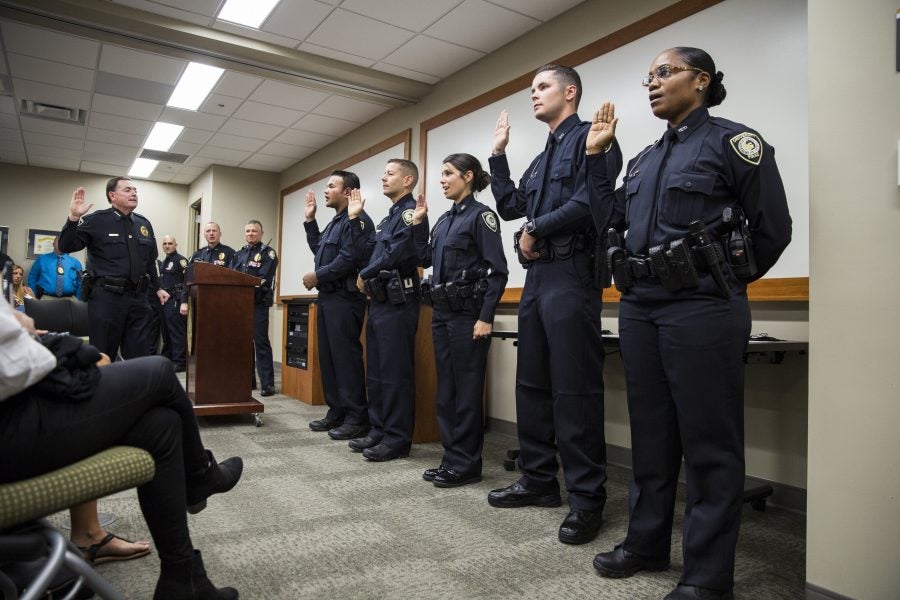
(212, 233)
(169, 244)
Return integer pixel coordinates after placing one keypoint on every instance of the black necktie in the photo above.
(134, 255)
(549, 151)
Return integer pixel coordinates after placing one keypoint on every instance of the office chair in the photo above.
(60, 315)
(26, 535)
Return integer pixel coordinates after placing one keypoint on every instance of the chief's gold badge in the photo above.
(748, 146)
(408, 216)
(257, 257)
(490, 220)
(221, 256)
(144, 231)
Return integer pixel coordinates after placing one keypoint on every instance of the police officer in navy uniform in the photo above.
(340, 308)
(468, 278)
(215, 252)
(683, 331)
(559, 379)
(121, 265)
(391, 280)
(260, 260)
(174, 312)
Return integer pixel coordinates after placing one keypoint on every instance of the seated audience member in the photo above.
(20, 290)
(56, 274)
(51, 393)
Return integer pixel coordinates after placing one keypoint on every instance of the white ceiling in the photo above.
(264, 113)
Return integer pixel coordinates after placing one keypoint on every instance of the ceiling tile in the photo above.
(45, 71)
(51, 94)
(53, 151)
(200, 162)
(350, 109)
(260, 131)
(359, 35)
(102, 168)
(305, 138)
(264, 162)
(141, 65)
(126, 108)
(286, 95)
(235, 142)
(116, 123)
(216, 104)
(415, 16)
(185, 148)
(285, 150)
(183, 178)
(296, 19)
(237, 85)
(432, 56)
(256, 34)
(223, 154)
(408, 73)
(121, 162)
(175, 13)
(538, 9)
(41, 43)
(33, 137)
(11, 121)
(53, 162)
(336, 54)
(189, 118)
(53, 127)
(7, 105)
(11, 146)
(17, 158)
(481, 26)
(122, 86)
(203, 7)
(111, 150)
(114, 137)
(266, 113)
(326, 125)
(7, 133)
(194, 136)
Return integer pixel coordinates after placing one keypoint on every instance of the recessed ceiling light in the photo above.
(194, 86)
(142, 167)
(247, 12)
(162, 136)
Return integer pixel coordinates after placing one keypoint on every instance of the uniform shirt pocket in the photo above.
(454, 254)
(115, 247)
(632, 186)
(687, 197)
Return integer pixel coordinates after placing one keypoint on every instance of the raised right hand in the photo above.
(77, 208)
(501, 133)
(421, 210)
(310, 211)
(356, 204)
(603, 129)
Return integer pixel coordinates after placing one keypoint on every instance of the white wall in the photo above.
(853, 512)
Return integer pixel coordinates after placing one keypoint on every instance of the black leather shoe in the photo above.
(382, 452)
(324, 424)
(430, 474)
(692, 592)
(621, 563)
(450, 478)
(268, 391)
(348, 431)
(216, 479)
(516, 495)
(580, 526)
(360, 444)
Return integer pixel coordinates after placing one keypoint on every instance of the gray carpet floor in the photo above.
(310, 519)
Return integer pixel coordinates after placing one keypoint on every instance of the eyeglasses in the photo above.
(663, 72)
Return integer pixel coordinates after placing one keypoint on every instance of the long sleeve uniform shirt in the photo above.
(261, 261)
(398, 243)
(339, 254)
(220, 254)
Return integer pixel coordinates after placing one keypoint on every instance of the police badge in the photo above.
(144, 231)
(490, 220)
(257, 257)
(748, 146)
(221, 256)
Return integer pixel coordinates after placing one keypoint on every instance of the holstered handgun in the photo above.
(425, 292)
(739, 244)
(616, 263)
(540, 246)
(375, 287)
(393, 286)
(709, 253)
(87, 284)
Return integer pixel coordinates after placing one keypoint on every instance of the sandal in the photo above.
(92, 553)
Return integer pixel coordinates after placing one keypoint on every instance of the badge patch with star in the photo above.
(257, 257)
(221, 256)
(408, 216)
(748, 146)
(490, 220)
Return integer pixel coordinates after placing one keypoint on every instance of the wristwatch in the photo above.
(529, 227)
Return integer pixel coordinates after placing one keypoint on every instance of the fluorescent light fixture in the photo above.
(162, 136)
(142, 167)
(195, 84)
(247, 12)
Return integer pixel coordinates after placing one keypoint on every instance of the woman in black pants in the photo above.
(132, 403)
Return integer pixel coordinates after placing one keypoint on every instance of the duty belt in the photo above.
(675, 265)
(349, 284)
(120, 285)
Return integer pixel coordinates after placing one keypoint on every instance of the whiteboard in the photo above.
(760, 47)
(296, 257)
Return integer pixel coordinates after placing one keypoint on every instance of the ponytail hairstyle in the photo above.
(699, 59)
(467, 162)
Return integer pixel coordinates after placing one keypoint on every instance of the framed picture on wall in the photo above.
(4, 239)
(40, 241)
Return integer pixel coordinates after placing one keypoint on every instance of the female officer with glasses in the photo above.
(684, 318)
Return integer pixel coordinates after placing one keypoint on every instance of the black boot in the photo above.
(216, 479)
(187, 580)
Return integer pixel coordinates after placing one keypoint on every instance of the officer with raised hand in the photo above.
(260, 260)
(391, 280)
(173, 324)
(121, 258)
(340, 308)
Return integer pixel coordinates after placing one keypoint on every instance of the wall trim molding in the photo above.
(814, 592)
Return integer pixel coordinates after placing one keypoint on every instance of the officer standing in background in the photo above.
(260, 260)
(340, 308)
(121, 264)
(55, 273)
(559, 377)
(173, 324)
(214, 252)
(391, 280)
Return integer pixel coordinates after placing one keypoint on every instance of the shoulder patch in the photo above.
(183, 263)
(748, 146)
(362, 225)
(271, 254)
(144, 231)
(408, 216)
(490, 220)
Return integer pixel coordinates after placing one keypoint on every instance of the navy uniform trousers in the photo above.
(174, 331)
(339, 321)
(685, 376)
(461, 363)
(121, 322)
(390, 374)
(263, 349)
(559, 382)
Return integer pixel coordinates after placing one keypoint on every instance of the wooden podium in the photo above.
(219, 369)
